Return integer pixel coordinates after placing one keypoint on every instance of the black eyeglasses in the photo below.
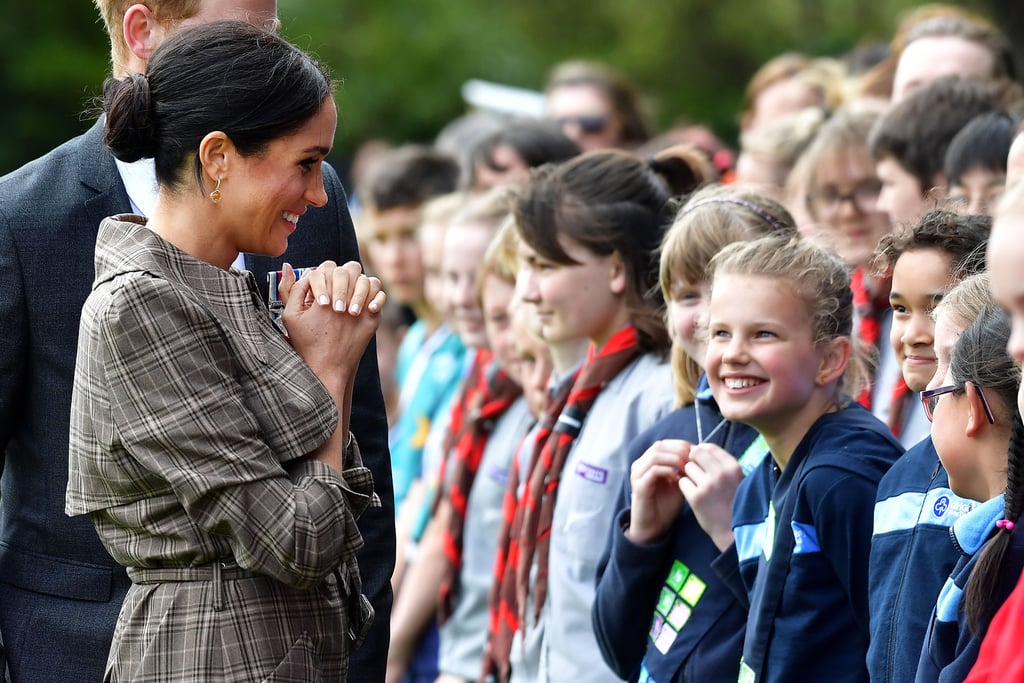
(864, 197)
(930, 398)
(589, 125)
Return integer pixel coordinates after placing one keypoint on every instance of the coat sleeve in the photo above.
(843, 509)
(14, 342)
(328, 233)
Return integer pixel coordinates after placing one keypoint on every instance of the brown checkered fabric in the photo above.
(190, 420)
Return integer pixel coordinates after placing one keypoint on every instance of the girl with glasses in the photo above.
(978, 434)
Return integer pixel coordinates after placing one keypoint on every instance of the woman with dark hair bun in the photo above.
(211, 449)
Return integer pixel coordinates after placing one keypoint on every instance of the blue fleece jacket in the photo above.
(911, 558)
(950, 649)
(803, 537)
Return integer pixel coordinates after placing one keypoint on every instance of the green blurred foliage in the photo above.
(54, 54)
(401, 63)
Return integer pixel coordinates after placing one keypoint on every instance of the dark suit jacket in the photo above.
(60, 592)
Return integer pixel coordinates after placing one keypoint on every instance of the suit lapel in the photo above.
(98, 172)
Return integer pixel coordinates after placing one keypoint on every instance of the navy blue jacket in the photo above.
(950, 649)
(672, 579)
(803, 538)
(911, 558)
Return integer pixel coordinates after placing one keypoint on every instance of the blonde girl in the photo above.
(656, 577)
(780, 359)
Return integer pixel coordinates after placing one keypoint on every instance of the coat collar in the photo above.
(126, 245)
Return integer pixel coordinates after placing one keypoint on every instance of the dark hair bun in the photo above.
(130, 130)
(683, 168)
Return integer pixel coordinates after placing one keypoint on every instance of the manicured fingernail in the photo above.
(374, 307)
(354, 309)
(324, 300)
(339, 305)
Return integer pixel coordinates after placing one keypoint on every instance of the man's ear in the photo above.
(142, 33)
(834, 360)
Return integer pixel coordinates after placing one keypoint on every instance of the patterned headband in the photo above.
(768, 218)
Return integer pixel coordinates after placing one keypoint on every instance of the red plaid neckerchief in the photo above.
(869, 315)
(897, 402)
(487, 394)
(504, 610)
(542, 484)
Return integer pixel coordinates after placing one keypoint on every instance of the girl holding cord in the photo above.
(661, 614)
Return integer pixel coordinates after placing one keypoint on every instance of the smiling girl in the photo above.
(778, 359)
(910, 555)
(589, 230)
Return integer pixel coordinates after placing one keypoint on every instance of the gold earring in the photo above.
(215, 193)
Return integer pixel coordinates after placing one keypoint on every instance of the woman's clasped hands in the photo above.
(331, 313)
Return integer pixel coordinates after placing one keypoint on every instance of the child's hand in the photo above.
(711, 478)
(654, 479)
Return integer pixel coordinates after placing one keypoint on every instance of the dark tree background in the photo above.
(401, 63)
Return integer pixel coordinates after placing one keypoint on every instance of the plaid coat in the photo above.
(190, 418)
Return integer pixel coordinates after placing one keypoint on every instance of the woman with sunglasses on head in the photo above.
(979, 436)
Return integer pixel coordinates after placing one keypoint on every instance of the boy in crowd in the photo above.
(909, 142)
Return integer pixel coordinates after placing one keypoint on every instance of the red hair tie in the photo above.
(1005, 524)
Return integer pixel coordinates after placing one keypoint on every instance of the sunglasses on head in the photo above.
(587, 124)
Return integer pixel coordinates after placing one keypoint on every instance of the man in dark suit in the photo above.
(60, 592)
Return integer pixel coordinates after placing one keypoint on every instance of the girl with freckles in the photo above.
(795, 546)
(660, 608)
